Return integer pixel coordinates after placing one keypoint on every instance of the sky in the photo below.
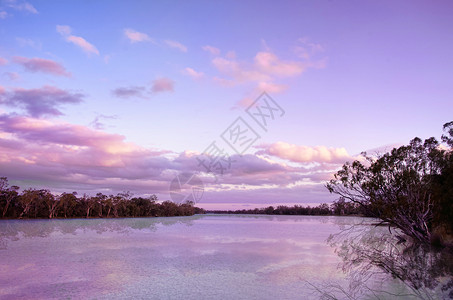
(112, 96)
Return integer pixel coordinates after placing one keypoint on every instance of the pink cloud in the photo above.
(266, 66)
(264, 71)
(12, 75)
(270, 87)
(66, 157)
(192, 73)
(304, 154)
(269, 63)
(41, 65)
(162, 85)
(39, 102)
(237, 72)
(176, 45)
(69, 154)
(211, 49)
(135, 36)
(80, 42)
(3, 61)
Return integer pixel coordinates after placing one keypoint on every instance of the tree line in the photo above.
(41, 203)
(339, 208)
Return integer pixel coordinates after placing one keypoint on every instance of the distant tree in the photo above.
(26, 200)
(67, 203)
(7, 195)
(107, 203)
(50, 202)
(269, 210)
(88, 204)
(33, 203)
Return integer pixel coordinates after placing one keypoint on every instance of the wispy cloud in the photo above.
(97, 124)
(25, 42)
(12, 75)
(3, 61)
(135, 36)
(158, 85)
(3, 14)
(22, 5)
(176, 45)
(306, 49)
(211, 49)
(162, 85)
(41, 65)
(192, 73)
(45, 101)
(128, 92)
(80, 42)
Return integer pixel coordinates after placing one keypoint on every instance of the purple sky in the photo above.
(108, 96)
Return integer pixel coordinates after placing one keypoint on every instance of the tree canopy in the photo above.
(410, 187)
(41, 203)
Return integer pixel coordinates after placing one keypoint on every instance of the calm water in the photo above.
(200, 257)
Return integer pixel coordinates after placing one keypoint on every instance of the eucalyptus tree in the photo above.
(402, 187)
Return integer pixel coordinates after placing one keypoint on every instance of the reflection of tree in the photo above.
(376, 260)
(11, 230)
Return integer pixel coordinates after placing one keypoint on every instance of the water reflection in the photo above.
(13, 230)
(381, 264)
(199, 257)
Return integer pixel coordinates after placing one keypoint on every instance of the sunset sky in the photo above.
(112, 96)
